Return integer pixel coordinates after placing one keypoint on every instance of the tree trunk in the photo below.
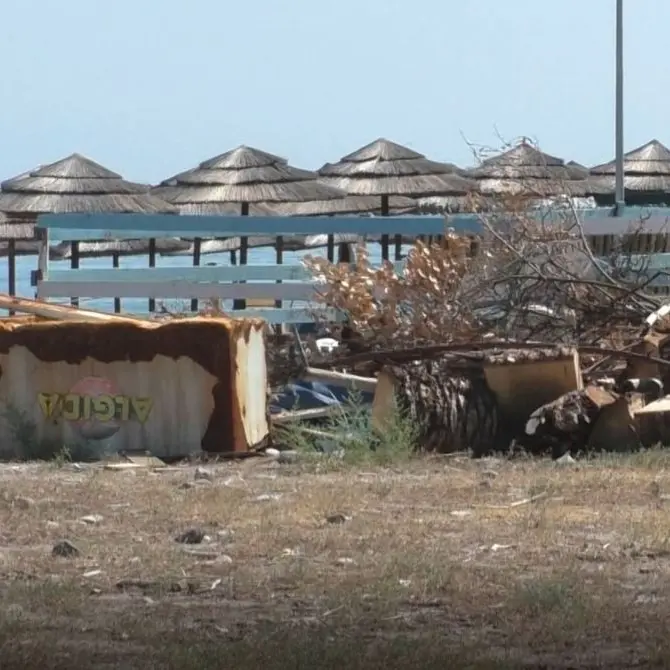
(564, 425)
(454, 409)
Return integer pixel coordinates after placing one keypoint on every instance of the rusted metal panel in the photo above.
(250, 384)
(168, 389)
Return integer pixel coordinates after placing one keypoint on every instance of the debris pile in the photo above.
(530, 342)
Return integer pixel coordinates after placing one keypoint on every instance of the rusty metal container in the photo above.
(174, 389)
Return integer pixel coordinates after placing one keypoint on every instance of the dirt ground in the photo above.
(439, 563)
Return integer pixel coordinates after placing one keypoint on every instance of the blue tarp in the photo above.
(310, 395)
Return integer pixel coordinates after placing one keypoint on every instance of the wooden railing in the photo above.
(281, 284)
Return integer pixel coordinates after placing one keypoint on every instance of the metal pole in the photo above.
(619, 196)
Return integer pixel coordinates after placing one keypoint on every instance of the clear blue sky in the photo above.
(151, 87)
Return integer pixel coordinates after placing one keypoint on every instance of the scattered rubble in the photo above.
(495, 398)
(338, 517)
(533, 343)
(91, 519)
(191, 536)
(65, 549)
(266, 497)
(202, 474)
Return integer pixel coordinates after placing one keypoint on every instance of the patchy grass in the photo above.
(354, 441)
(445, 562)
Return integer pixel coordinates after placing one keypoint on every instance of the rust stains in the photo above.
(209, 342)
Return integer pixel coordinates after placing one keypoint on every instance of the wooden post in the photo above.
(244, 247)
(74, 265)
(197, 244)
(115, 264)
(42, 255)
(384, 404)
(11, 270)
(279, 259)
(398, 247)
(385, 237)
(152, 264)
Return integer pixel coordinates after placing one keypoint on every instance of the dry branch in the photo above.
(531, 282)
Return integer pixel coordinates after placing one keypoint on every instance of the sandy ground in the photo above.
(439, 563)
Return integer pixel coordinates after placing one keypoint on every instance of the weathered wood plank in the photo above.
(180, 290)
(141, 226)
(598, 221)
(278, 316)
(223, 273)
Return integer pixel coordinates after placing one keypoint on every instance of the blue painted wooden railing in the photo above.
(268, 284)
(597, 221)
(256, 283)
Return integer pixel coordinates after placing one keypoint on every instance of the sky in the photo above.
(151, 88)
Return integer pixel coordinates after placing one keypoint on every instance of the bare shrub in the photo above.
(420, 305)
(533, 274)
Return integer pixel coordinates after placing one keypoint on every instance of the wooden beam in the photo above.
(142, 226)
(58, 312)
(598, 221)
(305, 414)
(181, 290)
(340, 379)
(221, 273)
(384, 403)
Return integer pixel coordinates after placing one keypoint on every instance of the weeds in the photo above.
(27, 445)
(349, 437)
(656, 458)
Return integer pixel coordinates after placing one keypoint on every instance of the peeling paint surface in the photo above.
(251, 385)
(163, 405)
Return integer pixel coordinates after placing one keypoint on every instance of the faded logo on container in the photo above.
(95, 407)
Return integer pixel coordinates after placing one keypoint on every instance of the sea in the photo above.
(258, 256)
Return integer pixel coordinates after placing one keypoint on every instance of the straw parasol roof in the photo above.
(73, 185)
(63, 250)
(349, 205)
(384, 168)
(524, 170)
(574, 165)
(12, 229)
(646, 172)
(243, 176)
(170, 188)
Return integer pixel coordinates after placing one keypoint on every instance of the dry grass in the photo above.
(436, 566)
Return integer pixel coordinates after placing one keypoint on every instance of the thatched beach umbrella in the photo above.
(524, 170)
(384, 169)
(241, 179)
(574, 165)
(245, 181)
(15, 229)
(77, 184)
(171, 188)
(349, 205)
(646, 176)
(13, 235)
